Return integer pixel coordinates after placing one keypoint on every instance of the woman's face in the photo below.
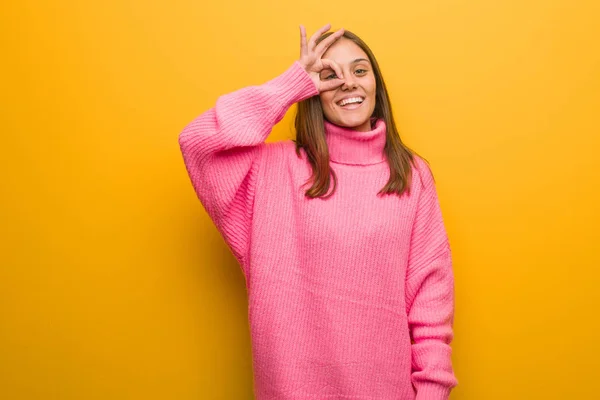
(351, 104)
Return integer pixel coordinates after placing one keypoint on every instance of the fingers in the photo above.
(327, 63)
(322, 47)
(331, 84)
(303, 46)
(315, 36)
(312, 53)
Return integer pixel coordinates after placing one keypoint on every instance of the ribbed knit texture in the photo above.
(337, 287)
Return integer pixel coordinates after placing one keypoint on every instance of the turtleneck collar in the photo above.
(347, 146)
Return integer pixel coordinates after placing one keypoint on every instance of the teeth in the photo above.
(350, 100)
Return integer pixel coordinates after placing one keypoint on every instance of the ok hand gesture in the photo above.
(310, 58)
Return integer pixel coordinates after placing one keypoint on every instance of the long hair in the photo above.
(310, 135)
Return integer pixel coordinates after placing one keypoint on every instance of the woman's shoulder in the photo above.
(280, 162)
(283, 150)
(421, 171)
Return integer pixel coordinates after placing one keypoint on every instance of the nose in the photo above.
(349, 82)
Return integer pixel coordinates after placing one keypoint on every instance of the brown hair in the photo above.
(310, 135)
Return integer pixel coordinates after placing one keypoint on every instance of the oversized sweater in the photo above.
(349, 297)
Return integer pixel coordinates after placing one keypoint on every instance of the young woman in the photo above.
(339, 233)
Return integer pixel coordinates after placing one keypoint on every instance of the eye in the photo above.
(331, 76)
(361, 71)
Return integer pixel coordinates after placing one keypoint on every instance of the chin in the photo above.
(354, 122)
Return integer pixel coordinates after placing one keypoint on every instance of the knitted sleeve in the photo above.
(221, 150)
(430, 294)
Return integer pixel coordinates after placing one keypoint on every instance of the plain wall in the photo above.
(114, 284)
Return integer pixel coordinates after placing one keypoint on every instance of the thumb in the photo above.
(330, 84)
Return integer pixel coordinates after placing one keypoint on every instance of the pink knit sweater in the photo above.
(337, 287)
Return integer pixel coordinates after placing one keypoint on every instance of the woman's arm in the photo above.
(221, 149)
(430, 294)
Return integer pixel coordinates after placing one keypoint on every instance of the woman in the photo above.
(350, 282)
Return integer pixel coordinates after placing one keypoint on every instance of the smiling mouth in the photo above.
(352, 102)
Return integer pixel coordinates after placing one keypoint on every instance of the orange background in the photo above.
(114, 284)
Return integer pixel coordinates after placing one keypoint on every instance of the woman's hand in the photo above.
(310, 58)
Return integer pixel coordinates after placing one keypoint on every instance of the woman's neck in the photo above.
(356, 147)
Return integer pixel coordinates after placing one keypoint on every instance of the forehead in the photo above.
(344, 51)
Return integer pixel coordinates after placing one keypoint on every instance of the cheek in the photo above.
(326, 100)
(372, 88)
(373, 92)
